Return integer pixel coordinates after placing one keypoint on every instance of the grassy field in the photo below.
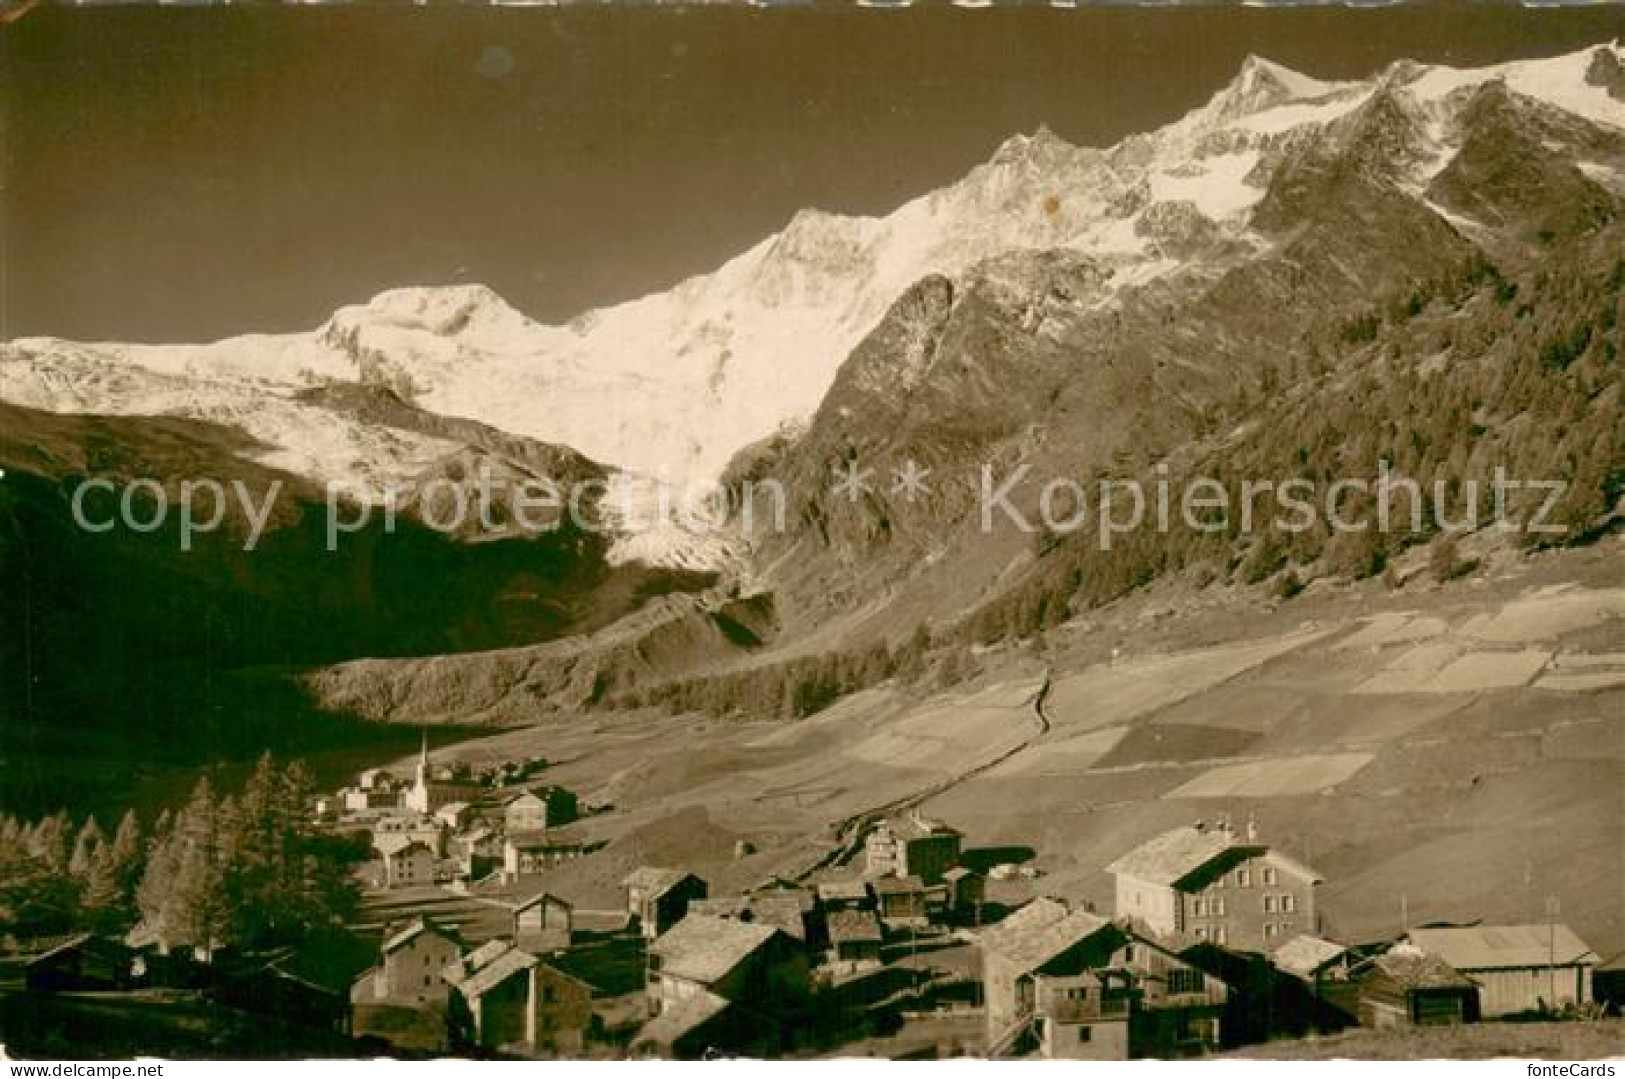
(1473, 799)
(1478, 1041)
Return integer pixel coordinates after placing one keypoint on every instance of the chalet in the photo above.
(1072, 985)
(542, 923)
(741, 962)
(286, 986)
(411, 962)
(79, 963)
(403, 999)
(410, 866)
(539, 808)
(854, 937)
(1197, 884)
(702, 1026)
(1406, 986)
(1518, 968)
(509, 1000)
(1313, 958)
(1313, 988)
(836, 895)
(659, 898)
(477, 851)
(911, 845)
(901, 902)
(788, 909)
(526, 853)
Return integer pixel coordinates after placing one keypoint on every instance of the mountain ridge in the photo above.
(733, 356)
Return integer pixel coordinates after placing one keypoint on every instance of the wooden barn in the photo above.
(542, 924)
(1518, 968)
(80, 963)
(1406, 986)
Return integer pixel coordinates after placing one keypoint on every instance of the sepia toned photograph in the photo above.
(881, 530)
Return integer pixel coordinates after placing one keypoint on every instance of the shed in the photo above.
(1406, 986)
(1518, 968)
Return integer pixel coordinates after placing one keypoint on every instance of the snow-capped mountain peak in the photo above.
(672, 384)
(1263, 84)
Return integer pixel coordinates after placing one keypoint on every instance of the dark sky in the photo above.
(183, 174)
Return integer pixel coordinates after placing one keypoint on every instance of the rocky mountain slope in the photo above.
(727, 358)
(1281, 277)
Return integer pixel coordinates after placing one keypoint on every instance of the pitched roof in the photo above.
(654, 880)
(409, 848)
(1486, 947)
(1040, 911)
(898, 886)
(492, 974)
(1173, 856)
(1416, 969)
(59, 946)
(459, 970)
(914, 826)
(542, 838)
(959, 872)
(843, 890)
(541, 792)
(680, 1017)
(1304, 954)
(704, 948)
(785, 911)
(850, 925)
(1048, 931)
(803, 898)
(538, 899)
(408, 934)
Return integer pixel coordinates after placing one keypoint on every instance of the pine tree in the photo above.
(51, 842)
(158, 874)
(86, 846)
(110, 886)
(195, 910)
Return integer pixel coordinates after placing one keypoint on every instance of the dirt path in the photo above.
(850, 831)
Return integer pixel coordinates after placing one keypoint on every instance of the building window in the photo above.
(1128, 953)
(1289, 903)
(1269, 904)
(1216, 905)
(1085, 1033)
(1269, 875)
(1184, 981)
(1244, 878)
(1201, 933)
(1221, 935)
(1198, 906)
(1269, 930)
